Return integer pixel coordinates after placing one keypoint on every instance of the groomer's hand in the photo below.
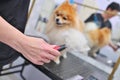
(34, 49)
(38, 51)
(114, 47)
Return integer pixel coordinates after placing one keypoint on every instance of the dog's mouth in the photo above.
(59, 24)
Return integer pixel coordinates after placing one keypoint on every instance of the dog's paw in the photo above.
(57, 61)
(93, 55)
(64, 56)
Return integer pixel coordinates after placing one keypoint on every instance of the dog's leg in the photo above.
(57, 60)
(93, 51)
(64, 54)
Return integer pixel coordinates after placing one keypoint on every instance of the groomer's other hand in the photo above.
(38, 51)
(115, 48)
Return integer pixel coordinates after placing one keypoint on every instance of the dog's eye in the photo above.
(64, 18)
(58, 15)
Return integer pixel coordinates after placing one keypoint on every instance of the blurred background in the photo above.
(37, 22)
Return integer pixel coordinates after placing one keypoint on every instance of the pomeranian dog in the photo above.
(97, 38)
(64, 27)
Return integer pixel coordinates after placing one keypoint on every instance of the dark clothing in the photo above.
(99, 20)
(15, 13)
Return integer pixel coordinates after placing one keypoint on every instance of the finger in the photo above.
(48, 56)
(37, 62)
(33, 59)
(53, 46)
(40, 63)
(54, 52)
(50, 49)
(45, 60)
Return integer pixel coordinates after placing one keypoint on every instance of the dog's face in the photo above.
(65, 14)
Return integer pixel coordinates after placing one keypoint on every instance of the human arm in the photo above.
(114, 47)
(34, 49)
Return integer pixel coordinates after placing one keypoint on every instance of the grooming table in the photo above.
(70, 67)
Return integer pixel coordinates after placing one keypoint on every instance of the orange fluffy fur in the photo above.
(69, 11)
(68, 19)
(97, 38)
(100, 36)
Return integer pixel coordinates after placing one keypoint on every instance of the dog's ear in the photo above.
(75, 6)
(66, 1)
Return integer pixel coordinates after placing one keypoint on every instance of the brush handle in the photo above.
(60, 48)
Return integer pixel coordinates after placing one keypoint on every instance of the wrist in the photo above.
(18, 42)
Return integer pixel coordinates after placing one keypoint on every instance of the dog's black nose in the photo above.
(57, 20)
